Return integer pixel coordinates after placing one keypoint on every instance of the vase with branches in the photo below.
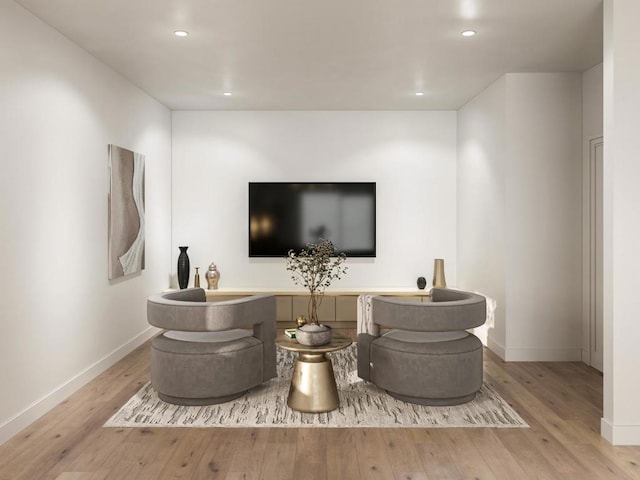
(315, 268)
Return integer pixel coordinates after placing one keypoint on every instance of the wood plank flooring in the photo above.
(562, 402)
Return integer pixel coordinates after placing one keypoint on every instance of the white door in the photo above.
(596, 151)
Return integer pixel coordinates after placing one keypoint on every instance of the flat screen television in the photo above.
(285, 216)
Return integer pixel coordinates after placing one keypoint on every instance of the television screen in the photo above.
(285, 216)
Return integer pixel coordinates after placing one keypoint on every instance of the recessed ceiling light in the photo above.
(181, 33)
(419, 94)
(468, 33)
(227, 94)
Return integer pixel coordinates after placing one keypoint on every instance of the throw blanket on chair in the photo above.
(365, 321)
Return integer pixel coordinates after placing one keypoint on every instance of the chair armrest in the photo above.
(364, 355)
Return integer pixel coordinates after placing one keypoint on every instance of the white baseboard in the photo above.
(586, 356)
(620, 434)
(495, 347)
(534, 354)
(543, 355)
(46, 403)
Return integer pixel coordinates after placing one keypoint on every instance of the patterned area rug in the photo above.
(361, 405)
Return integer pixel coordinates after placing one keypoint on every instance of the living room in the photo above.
(495, 187)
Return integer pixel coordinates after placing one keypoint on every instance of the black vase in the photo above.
(422, 282)
(183, 268)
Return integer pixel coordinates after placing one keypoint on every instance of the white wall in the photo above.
(62, 321)
(481, 199)
(410, 155)
(543, 216)
(526, 131)
(621, 218)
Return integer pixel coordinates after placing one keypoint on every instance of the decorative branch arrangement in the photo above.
(314, 268)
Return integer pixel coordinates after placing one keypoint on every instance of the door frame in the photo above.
(589, 247)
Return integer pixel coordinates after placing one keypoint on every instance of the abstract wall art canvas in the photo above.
(126, 212)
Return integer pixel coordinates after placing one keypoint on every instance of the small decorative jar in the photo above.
(212, 276)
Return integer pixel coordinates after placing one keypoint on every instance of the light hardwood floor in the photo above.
(562, 402)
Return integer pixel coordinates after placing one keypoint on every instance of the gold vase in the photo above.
(438, 274)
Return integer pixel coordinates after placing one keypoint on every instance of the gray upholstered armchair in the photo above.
(428, 357)
(212, 352)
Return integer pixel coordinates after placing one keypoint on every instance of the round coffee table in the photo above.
(313, 386)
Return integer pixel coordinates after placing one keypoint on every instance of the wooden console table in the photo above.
(338, 307)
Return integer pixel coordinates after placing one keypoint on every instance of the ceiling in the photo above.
(327, 54)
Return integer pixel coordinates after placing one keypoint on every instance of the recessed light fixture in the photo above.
(227, 94)
(419, 94)
(181, 33)
(468, 33)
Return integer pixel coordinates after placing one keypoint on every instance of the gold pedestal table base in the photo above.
(313, 384)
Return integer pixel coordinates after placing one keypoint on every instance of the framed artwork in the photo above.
(126, 212)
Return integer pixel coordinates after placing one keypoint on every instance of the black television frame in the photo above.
(354, 255)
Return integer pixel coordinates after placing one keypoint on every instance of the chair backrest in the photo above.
(188, 311)
(449, 310)
(186, 295)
